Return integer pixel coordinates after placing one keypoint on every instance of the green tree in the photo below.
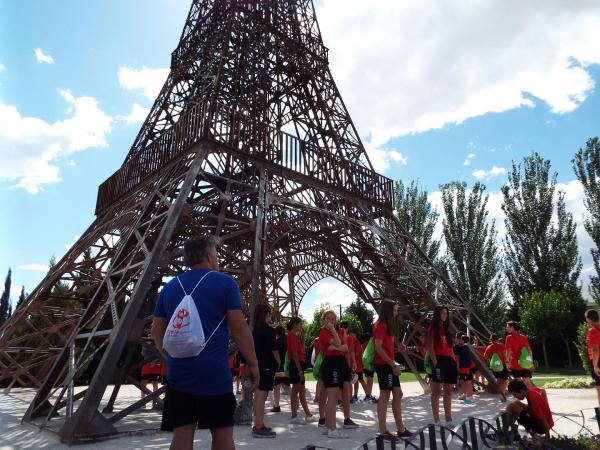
(5, 306)
(22, 298)
(547, 315)
(415, 213)
(365, 316)
(586, 165)
(540, 253)
(353, 323)
(472, 258)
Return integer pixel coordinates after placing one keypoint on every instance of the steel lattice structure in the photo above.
(249, 141)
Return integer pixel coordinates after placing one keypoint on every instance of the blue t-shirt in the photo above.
(208, 373)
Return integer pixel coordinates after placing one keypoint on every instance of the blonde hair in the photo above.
(325, 313)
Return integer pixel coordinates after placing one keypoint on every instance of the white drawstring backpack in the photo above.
(184, 337)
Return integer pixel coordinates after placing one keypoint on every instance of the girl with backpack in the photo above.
(445, 371)
(495, 355)
(297, 363)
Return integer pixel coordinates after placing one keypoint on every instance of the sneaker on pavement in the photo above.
(389, 437)
(297, 421)
(354, 399)
(263, 432)
(322, 423)
(467, 401)
(349, 424)
(336, 433)
(405, 434)
(276, 409)
(311, 419)
(450, 425)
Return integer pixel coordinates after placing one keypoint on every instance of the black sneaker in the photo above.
(349, 424)
(264, 432)
(275, 409)
(322, 423)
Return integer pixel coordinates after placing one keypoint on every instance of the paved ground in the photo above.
(14, 435)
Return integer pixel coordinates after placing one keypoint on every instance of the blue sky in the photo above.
(427, 85)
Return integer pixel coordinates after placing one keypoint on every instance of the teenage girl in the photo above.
(295, 352)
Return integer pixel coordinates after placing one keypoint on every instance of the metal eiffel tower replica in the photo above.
(249, 141)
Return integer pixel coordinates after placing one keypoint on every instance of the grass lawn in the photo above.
(540, 376)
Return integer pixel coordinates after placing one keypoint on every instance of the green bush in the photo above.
(571, 383)
(582, 442)
(582, 349)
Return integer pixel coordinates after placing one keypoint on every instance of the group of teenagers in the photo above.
(199, 388)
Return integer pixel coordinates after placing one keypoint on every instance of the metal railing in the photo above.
(258, 140)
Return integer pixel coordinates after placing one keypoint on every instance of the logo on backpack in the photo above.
(181, 315)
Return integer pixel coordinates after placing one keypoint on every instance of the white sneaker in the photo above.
(297, 421)
(336, 433)
(450, 425)
(311, 419)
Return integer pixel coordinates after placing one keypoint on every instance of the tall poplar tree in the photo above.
(472, 258)
(540, 250)
(586, 165)
(5, 307)
(417, 216)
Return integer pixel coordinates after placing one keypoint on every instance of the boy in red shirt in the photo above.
(515, 342)
(593, 346)
(534, 415)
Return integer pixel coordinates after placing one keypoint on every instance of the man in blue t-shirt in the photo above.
(199, 389)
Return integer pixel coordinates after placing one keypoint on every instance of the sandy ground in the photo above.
(416, 408)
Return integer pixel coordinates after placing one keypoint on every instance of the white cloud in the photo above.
(470, 158)
(138, 114)
(36, 267)
(327, 291)
(2, 68)
(15, 290)
(150, 81)
(489, 174)
(415, 65)
(42, 57)
(31, 147)
(382, 159)
(70, 244)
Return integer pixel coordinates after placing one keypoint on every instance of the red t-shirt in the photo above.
(380, 331)
(496, 347)
(538, 406)
(592, 338)
(325, 338)
(358, 351)
(443, 347)
(515, 342)
(293, 343)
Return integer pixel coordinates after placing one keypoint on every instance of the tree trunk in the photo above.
(566, 340)
(545, 354)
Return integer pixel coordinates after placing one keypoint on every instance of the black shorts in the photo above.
(334, 371)
(294, 374)
(446, 371)
(151, 377)
(465, 376)
(359, 375)
(210, 411)
(530, 423)
(385, 376)
(267, 377)
(369, 373)
(502, 375)
(281, 380)
(522, 373)
(594, 376)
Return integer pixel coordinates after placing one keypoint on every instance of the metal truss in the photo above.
(249, 141)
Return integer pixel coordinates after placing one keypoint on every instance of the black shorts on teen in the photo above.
(151, 377)
(386, 378)
(281, 380)
(210, 411)
(267, 377)
(502, 375)
(465, 376)
(445, 371)
(523, 373)
(530, 423)
(359, 375)
(334, 371)
(294, 374)
(594, 376)
(369, 373)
